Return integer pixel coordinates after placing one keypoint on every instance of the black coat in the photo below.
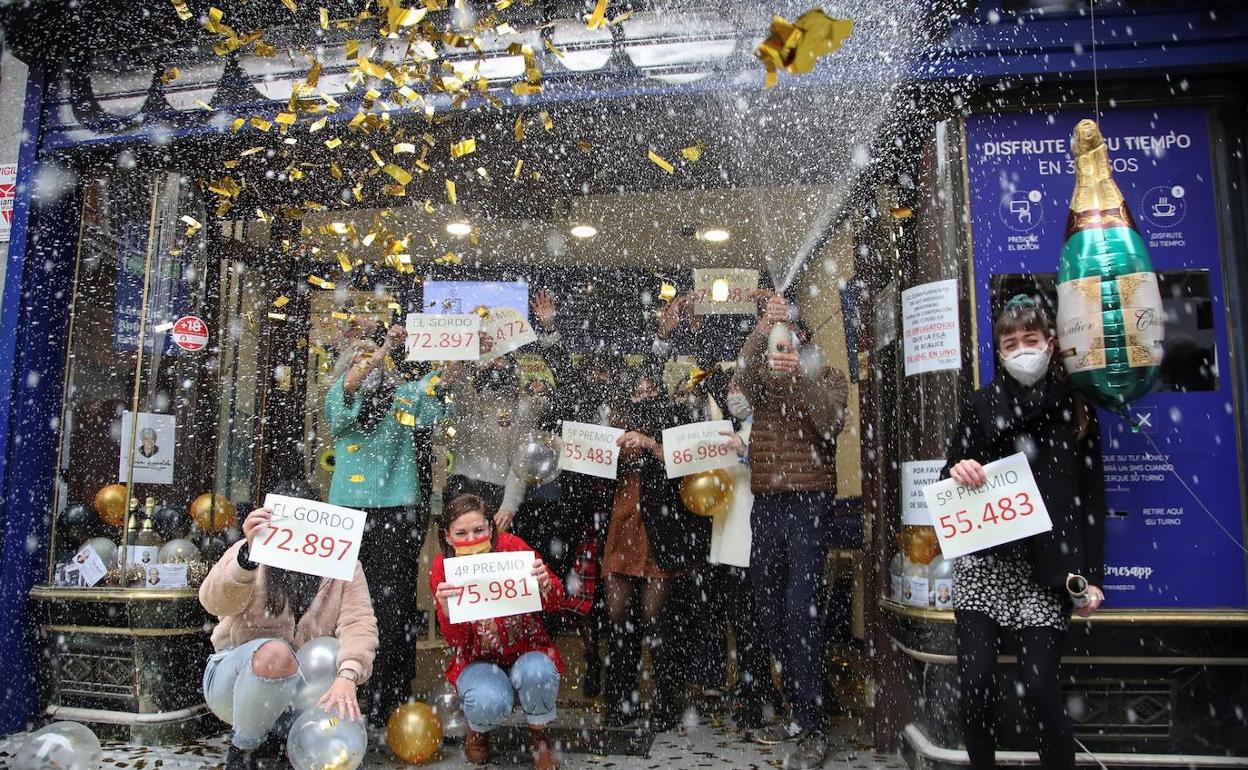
(1002, 419)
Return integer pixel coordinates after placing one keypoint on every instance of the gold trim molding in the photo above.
(63, 594)
(120, 630)
(1103, 617)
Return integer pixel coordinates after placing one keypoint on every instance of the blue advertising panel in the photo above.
(1173, 487)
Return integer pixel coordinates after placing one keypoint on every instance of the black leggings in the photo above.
(1039, 655)
(635, 608)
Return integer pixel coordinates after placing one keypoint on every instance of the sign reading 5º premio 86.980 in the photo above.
(1007, 508)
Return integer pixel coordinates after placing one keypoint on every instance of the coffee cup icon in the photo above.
(1163, 207)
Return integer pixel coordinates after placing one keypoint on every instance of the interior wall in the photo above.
(819, 301)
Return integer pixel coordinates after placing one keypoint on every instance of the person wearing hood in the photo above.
(652, 542)
(373, 415)
(1019, 588)
(492, 414)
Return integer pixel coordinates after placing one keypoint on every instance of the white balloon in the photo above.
(318, 664)
(60, 746)
(319, 740)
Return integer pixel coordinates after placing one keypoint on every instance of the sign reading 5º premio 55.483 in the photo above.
(1007, 508)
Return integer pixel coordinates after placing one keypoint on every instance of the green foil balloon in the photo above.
(1110, 322)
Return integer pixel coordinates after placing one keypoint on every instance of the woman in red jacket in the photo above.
(497, 660)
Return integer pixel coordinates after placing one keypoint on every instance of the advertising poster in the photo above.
(1165, 545)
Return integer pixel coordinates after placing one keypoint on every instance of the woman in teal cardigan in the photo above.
(373, 416)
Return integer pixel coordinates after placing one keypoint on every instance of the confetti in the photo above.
(598, 16)
(192, 225)
(404, 148)
(281, 301)
(260, 123)
(333, 143)
(515, 173)
(547, 122)
(463, 147)
(320, 282)
(658, 160)
(692, 154)
(184, 13)
(277, 316)
(324, 13)
(338, 315)
(170, 75)
(795, 47)
(291, 5)
(318, 124)
(450, 192)
(400, 175)
(518, 129)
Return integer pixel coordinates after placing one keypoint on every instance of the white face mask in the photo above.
(739, 406)
(1028, 365)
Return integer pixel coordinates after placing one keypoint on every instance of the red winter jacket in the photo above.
(517, 634)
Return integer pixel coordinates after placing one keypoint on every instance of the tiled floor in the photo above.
(702, 746)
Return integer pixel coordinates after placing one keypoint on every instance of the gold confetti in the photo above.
(357, 478)
(320, 282)
(281, 301)
(170, 75)
(237, 124)
(398, 16)
(502, 5)
(260, 123)
(339, 228)
(184, 13)
(599, 15)
(395, 190)
(519, 129)
(584, 146)
(795, 47)
(406, 419)
(192, 225)
(552, 47)
(324, 12)
(667, 292)
(291, 5)
(400, 175)
(463, 147)
(515, 173)
(338, 315)
(344, 261)
(250, 151)
(547, 122)
(658, 160)
(285, 118)
(404, 148)
(203, 105)
(692, 154)
(277, 316)
(263, 216)
(333, 143)
(525, 89)
(450, 192)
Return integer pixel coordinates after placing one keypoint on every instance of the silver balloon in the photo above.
(60, 746)
(319, 740)
(178, 551)
(537, 458)
(106, 549)
(450, 710)
(318, 664)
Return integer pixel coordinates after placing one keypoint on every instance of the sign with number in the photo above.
(432, 337)
(724, 290)
(190, 333)
(697, 447)
(494, 585)
(310, 536)
(509, 330)
(590, 449)
(1006, 509)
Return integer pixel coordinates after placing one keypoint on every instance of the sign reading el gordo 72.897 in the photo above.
(1005, 509)
(310, 536)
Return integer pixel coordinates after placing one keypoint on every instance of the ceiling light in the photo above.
(584, 231)
(460, 228)
(714, 235)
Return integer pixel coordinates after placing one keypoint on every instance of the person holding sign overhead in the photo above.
(373, 415)
(1020, 587)
(265, 615)
(496, 660)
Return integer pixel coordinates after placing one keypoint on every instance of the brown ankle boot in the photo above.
(477, 748)
(543, 750)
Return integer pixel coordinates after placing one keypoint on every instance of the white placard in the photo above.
(8, 195)
(929, 327)
(432, 337)
(741, 283)
(1007, 508)
(495, 585)
(139, 555)
(90, 566)
(697, 447)
(166, 576)
(509, 329)
(590, 449)
(153, 452)
(310, 536)
(915, 475)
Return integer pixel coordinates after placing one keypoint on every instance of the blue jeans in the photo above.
(243, 698)
(793, 532)
(488, 692)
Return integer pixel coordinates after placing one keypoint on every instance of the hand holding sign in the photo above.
(1006, 507)
(590, 449)
(698, 447)
(433, 337)
(491, 585)
(306, 536)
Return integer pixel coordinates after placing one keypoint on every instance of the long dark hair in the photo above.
(295, 590)
(461, 505)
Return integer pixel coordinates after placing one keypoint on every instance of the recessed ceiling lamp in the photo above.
(584, 231)
(713, 235)
(459, 227)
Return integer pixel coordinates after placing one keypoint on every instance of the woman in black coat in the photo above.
(652, 542)
(1020, 587)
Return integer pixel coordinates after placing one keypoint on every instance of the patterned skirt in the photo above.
(1002, 588)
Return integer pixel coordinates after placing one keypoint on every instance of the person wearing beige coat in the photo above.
(265, 615)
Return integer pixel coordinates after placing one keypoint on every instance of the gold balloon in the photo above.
(110, 503)
(708, 493)
(212, 512)
(414, 733)
(919, 544)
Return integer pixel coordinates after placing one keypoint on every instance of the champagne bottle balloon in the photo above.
(1110, 321)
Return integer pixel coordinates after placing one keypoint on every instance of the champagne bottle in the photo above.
(143, 544)
(1109, 313)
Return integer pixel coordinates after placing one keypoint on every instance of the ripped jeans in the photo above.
(243, 698)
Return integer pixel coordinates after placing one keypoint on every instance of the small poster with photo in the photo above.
(153, 437)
